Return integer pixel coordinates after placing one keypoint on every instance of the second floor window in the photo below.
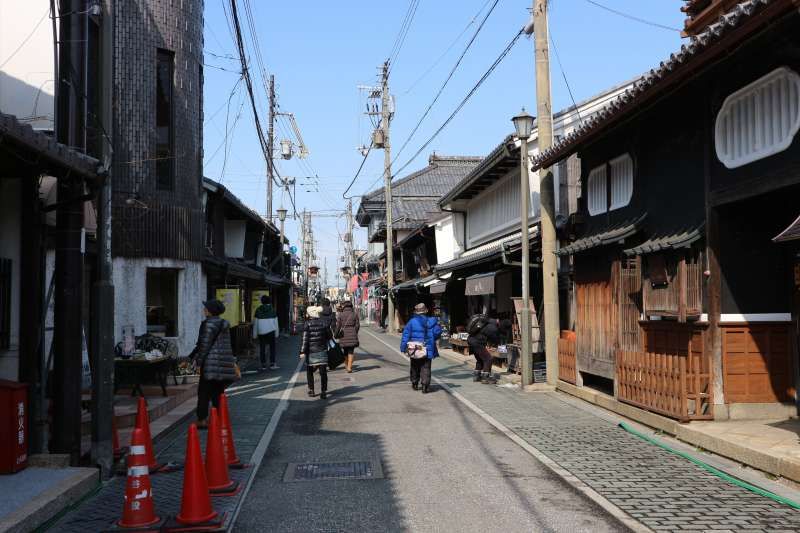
(610, 186)
(165, 121)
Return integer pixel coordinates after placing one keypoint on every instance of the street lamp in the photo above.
(524, 126)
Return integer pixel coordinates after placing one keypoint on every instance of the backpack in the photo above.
(476, 323)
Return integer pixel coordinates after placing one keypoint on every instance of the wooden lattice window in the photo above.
(5, 304)
(630, 303)
(672, 284)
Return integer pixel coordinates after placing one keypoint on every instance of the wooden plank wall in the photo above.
(756, 363)
(597, 320)
(567, 370)
(682, 295)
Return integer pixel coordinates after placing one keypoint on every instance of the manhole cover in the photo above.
(339, 470)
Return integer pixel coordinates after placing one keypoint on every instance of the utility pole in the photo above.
(387, 192)
(103, 290)
(349, 246)
(545, 129)
(68, 316)
(270, 144)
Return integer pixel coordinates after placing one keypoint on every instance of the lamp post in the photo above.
(524, 125)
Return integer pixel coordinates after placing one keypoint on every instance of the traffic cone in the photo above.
(196, 510)
(138, 511)
(219, 482)
(143, 423)
(228, 443)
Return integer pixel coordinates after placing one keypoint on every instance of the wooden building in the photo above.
(684, 300)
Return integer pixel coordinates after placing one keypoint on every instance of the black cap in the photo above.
(215, 307)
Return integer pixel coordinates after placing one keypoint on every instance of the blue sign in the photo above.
(293, 249)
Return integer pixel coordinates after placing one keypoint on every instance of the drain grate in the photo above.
(338, 470)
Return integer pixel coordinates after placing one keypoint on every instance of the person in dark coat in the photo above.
(314, 348)
(347, 326)
(214, 358)
(327, 314)
(419, 332)
(265, 317)
(488, 335)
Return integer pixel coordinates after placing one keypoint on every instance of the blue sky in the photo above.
(320, 52)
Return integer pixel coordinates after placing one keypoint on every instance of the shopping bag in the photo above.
(335, 356)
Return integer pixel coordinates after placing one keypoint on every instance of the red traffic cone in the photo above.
(143, 423)
(219, 482)
(138, 510)
(228, 443)
(196, 507)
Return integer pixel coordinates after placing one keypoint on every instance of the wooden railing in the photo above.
(654, 381)
(567, 362)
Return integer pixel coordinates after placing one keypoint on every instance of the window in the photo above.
(5, 303)
(597, 197)
(758, 120)
(621, 181)
(165, 134)
(162, 302)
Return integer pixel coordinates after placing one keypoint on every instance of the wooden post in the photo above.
(682, 290)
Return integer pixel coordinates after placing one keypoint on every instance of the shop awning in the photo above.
(604, 236)
(673, 240)
(791, 233)
(480, 284)
(487, 252)
(438, 288)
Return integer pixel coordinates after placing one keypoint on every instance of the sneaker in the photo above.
(489, 379)
(476, 377)
(273, 367)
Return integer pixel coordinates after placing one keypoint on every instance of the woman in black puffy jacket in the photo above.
(314, 349)
(214, 358)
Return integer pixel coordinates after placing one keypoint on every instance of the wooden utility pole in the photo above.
(548, 214)
(387, 192)
(270, 145)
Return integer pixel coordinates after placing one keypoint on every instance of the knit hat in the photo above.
(420, 308)
(313, 311)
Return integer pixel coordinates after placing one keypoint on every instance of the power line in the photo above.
(26, 39)
(446, 81)
(474, 89)
(361, 166)
(564, 75)
(447, 51)
(633, 17)
(404, 27)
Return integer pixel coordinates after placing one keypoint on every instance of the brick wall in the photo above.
(141, 28)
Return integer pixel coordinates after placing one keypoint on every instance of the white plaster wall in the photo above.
(130, 279)
(26, 79)
(446, 241)
(10, 249)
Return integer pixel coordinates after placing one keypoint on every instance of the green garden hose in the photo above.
(719, 473)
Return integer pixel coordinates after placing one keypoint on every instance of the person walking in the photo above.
(347, 326)
(214, 358)
(327, 314)
(418, 343)
(314, 348)
(265, 328)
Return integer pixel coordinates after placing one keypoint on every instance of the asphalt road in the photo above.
(443, 467)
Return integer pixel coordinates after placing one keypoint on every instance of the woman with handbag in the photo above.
(214, 358)
(418, 343)
(347, 326)
(314, 348)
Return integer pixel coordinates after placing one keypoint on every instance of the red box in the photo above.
(13, 426)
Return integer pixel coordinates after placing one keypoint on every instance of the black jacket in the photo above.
(489, 334)
(213, 353)
(316, 335)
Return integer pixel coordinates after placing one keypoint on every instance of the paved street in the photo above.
(444, 468)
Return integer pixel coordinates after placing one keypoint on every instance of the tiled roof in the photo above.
(603, 236)
(441, 174)
(412, 283)
(500, 152)
(670, 240)
(54, 155)
(652, 83)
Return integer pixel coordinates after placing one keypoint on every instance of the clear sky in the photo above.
(321, 51)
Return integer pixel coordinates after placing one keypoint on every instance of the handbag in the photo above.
(335, 356)
(416, 350)
(340, 331)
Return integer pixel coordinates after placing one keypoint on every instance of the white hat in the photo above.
(313, 311)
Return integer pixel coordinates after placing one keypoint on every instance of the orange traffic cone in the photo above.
(196, 507)
(227, 435)
(143, 423)
(219, 482)
(138, 511)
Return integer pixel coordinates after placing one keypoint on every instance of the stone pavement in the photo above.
(657, 488)
(251, 402)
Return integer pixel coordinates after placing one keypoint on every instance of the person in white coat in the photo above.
(265, 327)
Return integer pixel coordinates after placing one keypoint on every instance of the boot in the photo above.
(488, 379)
(323, 395)
(476, 376)
(415, 386)
(425, 389)
(311, 393)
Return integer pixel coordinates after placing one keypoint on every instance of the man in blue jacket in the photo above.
(420, 335)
